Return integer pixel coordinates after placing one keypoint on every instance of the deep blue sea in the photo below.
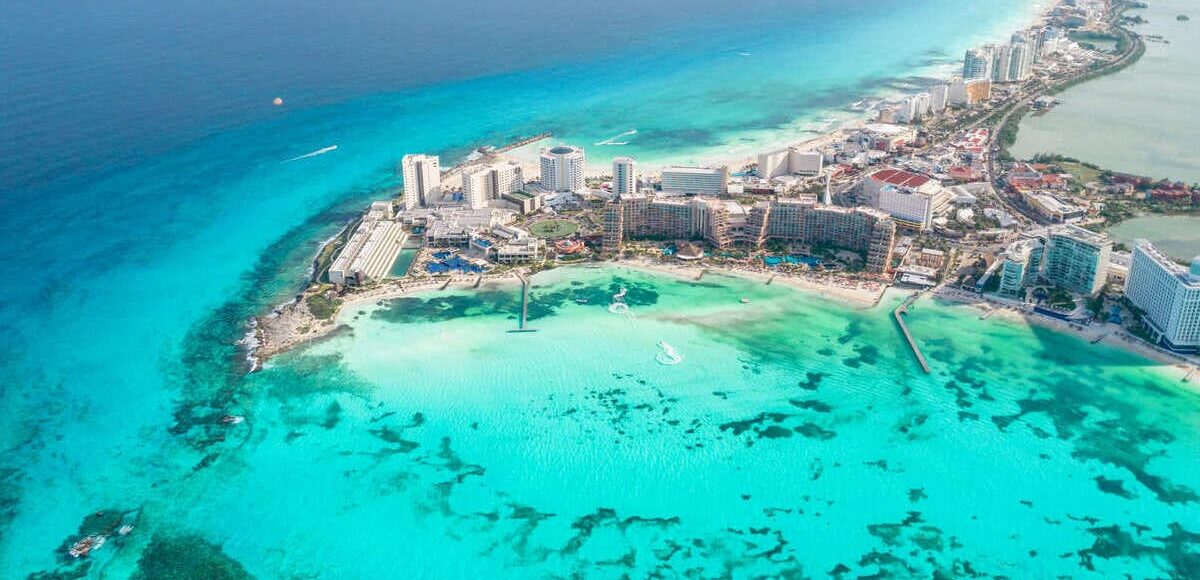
(149, 213)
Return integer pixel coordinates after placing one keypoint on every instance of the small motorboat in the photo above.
(745, 300)
(86, 545)
(232, 419)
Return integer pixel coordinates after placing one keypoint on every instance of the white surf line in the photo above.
(613, 140)
(320, 151)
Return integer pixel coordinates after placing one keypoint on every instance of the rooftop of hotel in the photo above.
(690, 169)
(900, 177)
(1081, 234)
(1189, 275)
(1054, 204)
(886, 128)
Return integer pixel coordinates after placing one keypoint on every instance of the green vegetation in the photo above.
(323, 307)
(1096, 303)
(1061, 300)
(1082, 172)
(325, 257)
(1007, 136)
(552, 229)
(1093, 36)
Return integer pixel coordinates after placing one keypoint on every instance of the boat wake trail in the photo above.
(668, 356)
(619, 306)
(614, 139)
(320, 151)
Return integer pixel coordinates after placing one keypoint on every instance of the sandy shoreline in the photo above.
(861, 294)
(292, 325)
(1176, 366)
(1038, 15)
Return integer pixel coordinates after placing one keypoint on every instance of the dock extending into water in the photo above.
(525, 141)
(521, 324)
(898, 314)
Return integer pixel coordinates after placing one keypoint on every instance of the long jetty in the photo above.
(525, 141)
(898, 314)
(521, 324)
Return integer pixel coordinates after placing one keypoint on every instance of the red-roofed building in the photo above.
(965, 174)
(899, 178)
(910, 198)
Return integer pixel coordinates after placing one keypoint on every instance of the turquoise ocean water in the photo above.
(150, 214)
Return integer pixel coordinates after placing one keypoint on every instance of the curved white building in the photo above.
(563, 168)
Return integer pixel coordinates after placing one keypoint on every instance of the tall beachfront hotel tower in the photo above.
(1077, 259)
(1168, 294)
(624, 176)
(422, 180)
(563, 168)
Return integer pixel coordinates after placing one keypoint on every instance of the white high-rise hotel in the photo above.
(695, 180)
(491, 181)
(1003, 63)
(1168, 294)
(563, 168)
(422, 180)
(624, 176)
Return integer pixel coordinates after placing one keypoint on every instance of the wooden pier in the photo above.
(898, 314)
(701, 274)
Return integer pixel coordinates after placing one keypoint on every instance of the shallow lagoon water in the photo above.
(797, 437)
(1138, 120)
(1179, 236)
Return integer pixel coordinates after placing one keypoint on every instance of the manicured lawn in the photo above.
(553, 228)
(1082, 174)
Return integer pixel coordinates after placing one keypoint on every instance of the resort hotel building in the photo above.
(1077, 259)
(1022, 263)
(790, 161)
(967, 92)
(491, 181)
(911, 198)
(1003, 63)
(1169, 296)
(562, 168)
(624, 174)
(803, 220)
(695, 180)
(372, 248)
(422, 180)
(725, 223)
